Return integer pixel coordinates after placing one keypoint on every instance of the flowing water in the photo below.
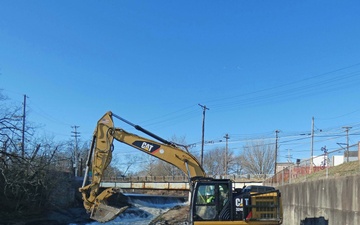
(144, 208)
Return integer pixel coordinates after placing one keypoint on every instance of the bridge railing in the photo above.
(147, 179)
(236, 178)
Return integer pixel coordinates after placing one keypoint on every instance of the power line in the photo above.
(38, 110)
(288, 90)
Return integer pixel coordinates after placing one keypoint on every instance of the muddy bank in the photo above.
(179, 215)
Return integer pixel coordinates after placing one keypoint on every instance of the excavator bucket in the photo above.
(104, 213)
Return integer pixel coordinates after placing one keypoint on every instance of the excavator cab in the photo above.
(211, 200)
(233, 206)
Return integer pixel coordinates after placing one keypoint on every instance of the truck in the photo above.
(212, 201)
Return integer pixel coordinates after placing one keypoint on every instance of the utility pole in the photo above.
(276, 148)
(312, 145)
(76, 134)
(203, 131)
(23, 129)
(347, 142)
(226, 153)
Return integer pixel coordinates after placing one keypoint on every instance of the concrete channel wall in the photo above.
(336, 199)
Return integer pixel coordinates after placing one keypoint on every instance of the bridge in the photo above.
(180, 183)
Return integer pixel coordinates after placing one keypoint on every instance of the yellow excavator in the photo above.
(212, 201)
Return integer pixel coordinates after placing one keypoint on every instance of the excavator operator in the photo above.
(209, 197)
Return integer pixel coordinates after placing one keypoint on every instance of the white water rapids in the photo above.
(143, 210)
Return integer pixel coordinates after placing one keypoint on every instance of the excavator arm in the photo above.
(169, 153)
(100, 155)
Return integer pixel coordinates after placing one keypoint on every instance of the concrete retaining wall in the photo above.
(335, 199)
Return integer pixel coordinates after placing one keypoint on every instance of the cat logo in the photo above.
(239, 202)
(146, 146)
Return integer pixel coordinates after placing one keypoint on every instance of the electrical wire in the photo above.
(329, 81)
(290, 84)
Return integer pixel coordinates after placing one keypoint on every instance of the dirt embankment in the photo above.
(179, 215)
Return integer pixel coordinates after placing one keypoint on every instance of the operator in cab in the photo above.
(209, 197)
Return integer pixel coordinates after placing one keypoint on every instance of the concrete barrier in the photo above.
(336, 199)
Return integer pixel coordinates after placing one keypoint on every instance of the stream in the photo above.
(143, 209)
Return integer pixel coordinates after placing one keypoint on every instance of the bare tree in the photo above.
(165, 169)
(27, 180)
(112, 172)
(235, 165)
(27, 183)
(153, 166)
(118, 169)
(215, 160)
(10, 127)
(258, 158)
(130, 162)
(212, 162)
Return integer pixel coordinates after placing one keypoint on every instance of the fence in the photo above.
(326, 162)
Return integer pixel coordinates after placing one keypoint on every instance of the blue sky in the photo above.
(259, 66)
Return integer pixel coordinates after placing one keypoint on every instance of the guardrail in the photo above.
(158, 185)
(235, 178)
(171, 182)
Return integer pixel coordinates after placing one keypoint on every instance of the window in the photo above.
(205, 208)
(212, 202)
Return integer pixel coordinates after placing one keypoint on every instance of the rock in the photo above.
(179, 215)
